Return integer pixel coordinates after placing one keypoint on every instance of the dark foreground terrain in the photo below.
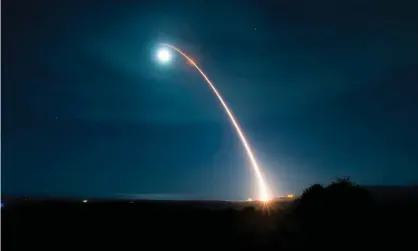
(339, 216)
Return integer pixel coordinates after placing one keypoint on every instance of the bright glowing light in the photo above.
(263, 190)
(84, 201)
(265, 199)
(164, 55)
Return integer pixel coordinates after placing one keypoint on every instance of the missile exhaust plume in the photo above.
(263, 190)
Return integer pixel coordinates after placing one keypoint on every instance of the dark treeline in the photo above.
(341, 215)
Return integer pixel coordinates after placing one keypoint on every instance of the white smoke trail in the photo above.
(264, 193)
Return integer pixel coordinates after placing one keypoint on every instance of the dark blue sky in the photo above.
(322, 89)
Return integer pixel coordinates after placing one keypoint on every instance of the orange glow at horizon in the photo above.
(264, 194)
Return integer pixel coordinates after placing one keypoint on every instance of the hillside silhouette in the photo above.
(339, 215)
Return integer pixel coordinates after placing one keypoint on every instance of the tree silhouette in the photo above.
(333, 212)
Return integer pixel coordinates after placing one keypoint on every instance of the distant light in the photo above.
(164, 55)
(290, 195)
(249, 199)
(84, 201)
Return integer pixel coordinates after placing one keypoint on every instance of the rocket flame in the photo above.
(263, 192)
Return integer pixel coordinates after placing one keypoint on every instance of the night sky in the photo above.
(321, 88)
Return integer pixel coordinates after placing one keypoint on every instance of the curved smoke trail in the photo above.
(264, 193)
